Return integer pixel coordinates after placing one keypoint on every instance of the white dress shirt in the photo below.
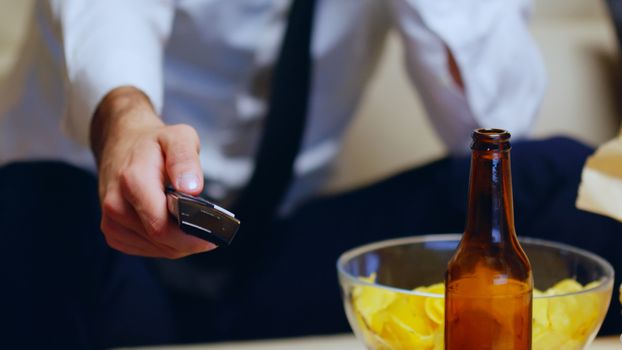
(207, 63)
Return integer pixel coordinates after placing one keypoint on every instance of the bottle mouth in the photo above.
(491, 134)
(490, 139)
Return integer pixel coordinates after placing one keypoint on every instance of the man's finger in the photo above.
(121, 211)
(129, 242)
(182, 241)
(181, 152)
(142, 186)
(129, 232)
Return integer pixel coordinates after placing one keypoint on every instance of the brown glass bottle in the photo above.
(488, 286)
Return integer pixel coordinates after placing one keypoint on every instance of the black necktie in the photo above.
(280, 143)
(285, 121)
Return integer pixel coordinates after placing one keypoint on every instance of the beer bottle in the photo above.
(488, 285)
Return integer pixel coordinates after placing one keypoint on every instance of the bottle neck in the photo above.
(490, 215)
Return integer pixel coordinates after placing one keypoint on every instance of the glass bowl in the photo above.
(393, 292)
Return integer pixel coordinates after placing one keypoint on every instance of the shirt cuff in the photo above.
(500, 64)
(109, 44)
(100, 75)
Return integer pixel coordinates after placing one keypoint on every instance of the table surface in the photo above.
(336, 342)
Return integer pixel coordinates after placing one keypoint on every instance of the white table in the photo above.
(337, 342)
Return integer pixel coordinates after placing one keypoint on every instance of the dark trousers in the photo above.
(66, 287)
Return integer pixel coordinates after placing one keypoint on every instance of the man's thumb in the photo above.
(181, 152)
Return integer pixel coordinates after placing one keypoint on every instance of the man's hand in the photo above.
(136, 155)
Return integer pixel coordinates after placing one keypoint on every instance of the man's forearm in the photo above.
(115, 106)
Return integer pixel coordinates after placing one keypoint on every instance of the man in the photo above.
(174, 92)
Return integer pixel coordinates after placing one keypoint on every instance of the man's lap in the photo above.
(64, 285)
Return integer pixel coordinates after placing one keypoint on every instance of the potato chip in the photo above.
(562, 313)
(439, 338)
(566, 286)
(396, 321)
(540, 313)
(435, 309)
